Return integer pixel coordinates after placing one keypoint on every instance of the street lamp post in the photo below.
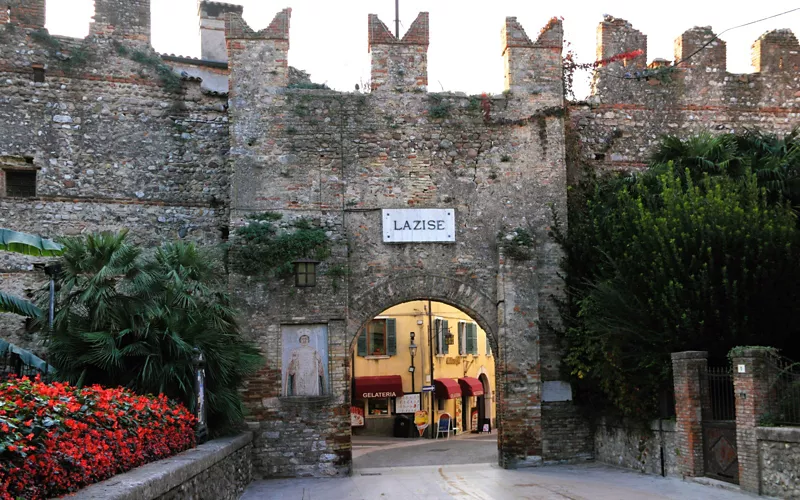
(412, 349)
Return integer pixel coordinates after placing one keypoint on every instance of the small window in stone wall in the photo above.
(38, 74)
(20, 183)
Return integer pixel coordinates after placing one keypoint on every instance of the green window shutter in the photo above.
(362, 343)
(472, 338)
(391, 337)
(445, 347)
(437, 328)
(488, 345)
(461, 338)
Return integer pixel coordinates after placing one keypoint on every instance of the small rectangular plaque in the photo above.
(419, 225)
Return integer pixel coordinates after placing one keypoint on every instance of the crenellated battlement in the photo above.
(126, 19)
(399, 64)
(24, 13)
(533, 70)
(776, 51)
(633, 104)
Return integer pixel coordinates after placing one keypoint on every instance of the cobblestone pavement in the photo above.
(488, 482)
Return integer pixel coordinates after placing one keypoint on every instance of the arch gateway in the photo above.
(424, 196)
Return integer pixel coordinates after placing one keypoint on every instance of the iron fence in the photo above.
(720, 388)
(784, 394)
(20, 363)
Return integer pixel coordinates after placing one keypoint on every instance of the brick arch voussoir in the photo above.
(391, 292)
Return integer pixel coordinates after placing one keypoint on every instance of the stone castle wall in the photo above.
(630, 108)
(339, 158)
(111, 148)
(116, 146)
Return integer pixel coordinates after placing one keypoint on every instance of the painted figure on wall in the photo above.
(304, 372)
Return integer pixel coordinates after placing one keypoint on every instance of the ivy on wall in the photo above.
(263, 248)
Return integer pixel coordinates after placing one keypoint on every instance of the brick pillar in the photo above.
(751, 388)
(691, 389)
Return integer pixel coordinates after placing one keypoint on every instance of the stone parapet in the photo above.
(219, 469)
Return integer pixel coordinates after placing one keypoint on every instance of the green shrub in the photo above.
(664, 263)
(131, 318)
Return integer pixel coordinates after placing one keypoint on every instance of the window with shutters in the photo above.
(379, 338)
(462, 338)
(488, 345)
(467, 338)
(471, 331)
(441, 329)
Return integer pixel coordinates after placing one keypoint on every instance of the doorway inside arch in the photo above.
(423, 375)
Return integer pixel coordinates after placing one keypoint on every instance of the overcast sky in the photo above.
(329, 37)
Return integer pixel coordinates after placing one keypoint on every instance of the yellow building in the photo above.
(451, 373)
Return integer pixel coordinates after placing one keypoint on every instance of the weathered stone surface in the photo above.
(113, 149)
(779, 456)
(633, 446)
(219, 469)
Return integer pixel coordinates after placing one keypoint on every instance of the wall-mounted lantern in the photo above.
(449, 338)
(305, 272)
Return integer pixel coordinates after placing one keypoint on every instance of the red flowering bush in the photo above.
(55, 438)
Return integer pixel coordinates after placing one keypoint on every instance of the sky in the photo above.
(329, 38)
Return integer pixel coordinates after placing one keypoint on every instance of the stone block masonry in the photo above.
(114, 141)
(340, 158)
(220, 469)
(631, 106)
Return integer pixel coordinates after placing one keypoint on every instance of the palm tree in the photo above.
(132, 318)
(26, 244)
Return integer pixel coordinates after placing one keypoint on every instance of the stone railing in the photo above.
(220, 469)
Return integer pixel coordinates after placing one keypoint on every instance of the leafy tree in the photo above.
(774, 160)
(27, 244)
(132, 318)
(675, 260)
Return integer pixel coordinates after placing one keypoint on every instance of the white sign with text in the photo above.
(409, 403)
(424, 225)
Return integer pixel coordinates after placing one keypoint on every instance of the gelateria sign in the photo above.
(419, 225)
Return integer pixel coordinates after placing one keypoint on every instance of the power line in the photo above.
(716, 37)
(713, 39)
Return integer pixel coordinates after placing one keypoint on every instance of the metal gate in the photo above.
(719, 433)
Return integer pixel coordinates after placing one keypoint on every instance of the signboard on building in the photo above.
(410, 403)
(356, 416)
(423, 225)
(427, 388)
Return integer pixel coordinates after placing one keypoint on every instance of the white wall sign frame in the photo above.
(419, 225)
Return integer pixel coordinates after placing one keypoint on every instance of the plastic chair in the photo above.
(444, 425)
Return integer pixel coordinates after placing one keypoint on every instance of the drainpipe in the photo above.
(431, 348)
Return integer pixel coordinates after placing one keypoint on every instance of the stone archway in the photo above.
(444, 289)
(470, 300)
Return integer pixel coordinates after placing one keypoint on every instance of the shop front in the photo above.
(471, 393)
(448, 403)
(373, 408)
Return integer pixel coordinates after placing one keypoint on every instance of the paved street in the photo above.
(489, 482)
(465, 467)
(392, 452)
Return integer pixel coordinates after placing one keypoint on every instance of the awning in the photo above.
(447, 388)
(388, 386)
(470, 386)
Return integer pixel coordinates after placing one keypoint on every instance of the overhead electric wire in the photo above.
(713, 39)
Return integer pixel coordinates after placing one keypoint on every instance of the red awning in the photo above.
(388, 386)
(447, 388)
(470, 386)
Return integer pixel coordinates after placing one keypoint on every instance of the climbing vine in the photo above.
(262, 248)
